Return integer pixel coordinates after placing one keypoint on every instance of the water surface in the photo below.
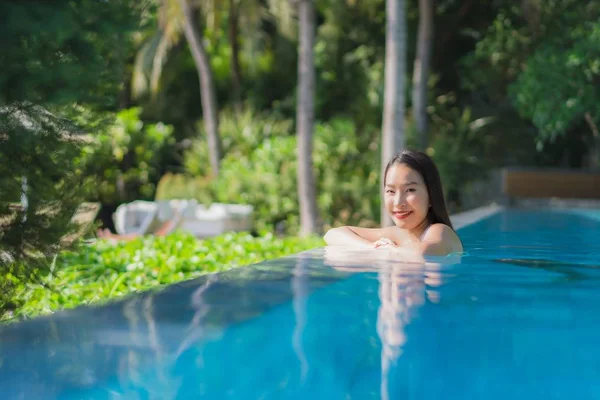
(516, 317)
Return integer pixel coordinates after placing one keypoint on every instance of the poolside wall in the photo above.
(550, 183)
(535, 188)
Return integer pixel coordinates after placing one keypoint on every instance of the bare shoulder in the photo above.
(398, 235)
(443, 234)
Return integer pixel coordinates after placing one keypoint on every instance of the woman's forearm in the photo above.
(344, 236)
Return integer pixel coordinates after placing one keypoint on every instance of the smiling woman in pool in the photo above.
(414, 199)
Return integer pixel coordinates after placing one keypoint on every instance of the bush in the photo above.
(240, 136)
(125, 158)
(39, 155)
(184, 186)
(265, 179)
(106, 270)
(347, 163)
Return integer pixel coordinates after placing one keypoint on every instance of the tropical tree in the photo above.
(392, 138)
(243, 19)
(305, 118)
(207, 90)
(421, 69)
(47, 75)
(179, 18)
(558, 88)
(541, 61)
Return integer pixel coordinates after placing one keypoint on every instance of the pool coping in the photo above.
(554, 203)
(469, 217)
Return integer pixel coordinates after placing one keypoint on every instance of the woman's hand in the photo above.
(384, 243)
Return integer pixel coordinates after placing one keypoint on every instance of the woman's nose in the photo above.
(399, 199)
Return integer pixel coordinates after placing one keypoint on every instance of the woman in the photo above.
(414, 199)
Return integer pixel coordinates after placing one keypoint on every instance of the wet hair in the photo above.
(424, 165)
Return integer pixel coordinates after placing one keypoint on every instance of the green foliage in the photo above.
(184, 186)
(542, 59)
(62, 52)
(270, 80)
(499, 56)
(240, 136)
(265, 179)
(43, 150)
(347, 164)
(460, 148)
(106, 270)
(260, 169)
(125, 158)
(349, 55)
(560, 82)
(54, 53)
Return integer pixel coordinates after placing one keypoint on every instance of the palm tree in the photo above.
(305, 118)
(421, 69)
(178, 18)
(392, 139)
(207, 90)
(243, 18)
(233, 24)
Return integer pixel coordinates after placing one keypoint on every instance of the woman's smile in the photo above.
(401, 214)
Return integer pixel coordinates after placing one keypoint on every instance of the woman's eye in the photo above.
(411, 190)
(389, 191)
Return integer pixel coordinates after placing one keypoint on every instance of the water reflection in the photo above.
(300, 290)
(569, 271)
(195, 329)
(265, 325)
(404, 286)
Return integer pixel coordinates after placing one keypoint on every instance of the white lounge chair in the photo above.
(145, 217)
(205, 222)
(218, 219)
(177, 212)
(138, 217)
(239, 216)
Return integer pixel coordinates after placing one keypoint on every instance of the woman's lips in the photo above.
(402, 214)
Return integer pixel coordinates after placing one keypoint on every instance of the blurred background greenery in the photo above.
(113, 101)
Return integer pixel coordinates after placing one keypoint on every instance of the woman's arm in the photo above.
(356, 236)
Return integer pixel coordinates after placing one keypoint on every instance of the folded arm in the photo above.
(359, 237)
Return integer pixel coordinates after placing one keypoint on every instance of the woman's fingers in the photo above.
(383, 242)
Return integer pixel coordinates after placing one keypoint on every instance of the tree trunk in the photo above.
(207, 90)
(595, 149)
(421, 70)
(305, 119)
(392, 139)
(236, 74)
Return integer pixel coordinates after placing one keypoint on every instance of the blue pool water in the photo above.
(517, 317)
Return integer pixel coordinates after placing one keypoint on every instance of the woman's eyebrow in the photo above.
(402, 184)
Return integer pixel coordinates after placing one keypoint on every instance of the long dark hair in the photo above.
(425, 166)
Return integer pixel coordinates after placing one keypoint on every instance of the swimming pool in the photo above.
(517, 317)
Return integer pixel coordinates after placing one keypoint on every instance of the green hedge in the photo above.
(106, 270)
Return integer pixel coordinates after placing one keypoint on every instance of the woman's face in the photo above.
(406, 198)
